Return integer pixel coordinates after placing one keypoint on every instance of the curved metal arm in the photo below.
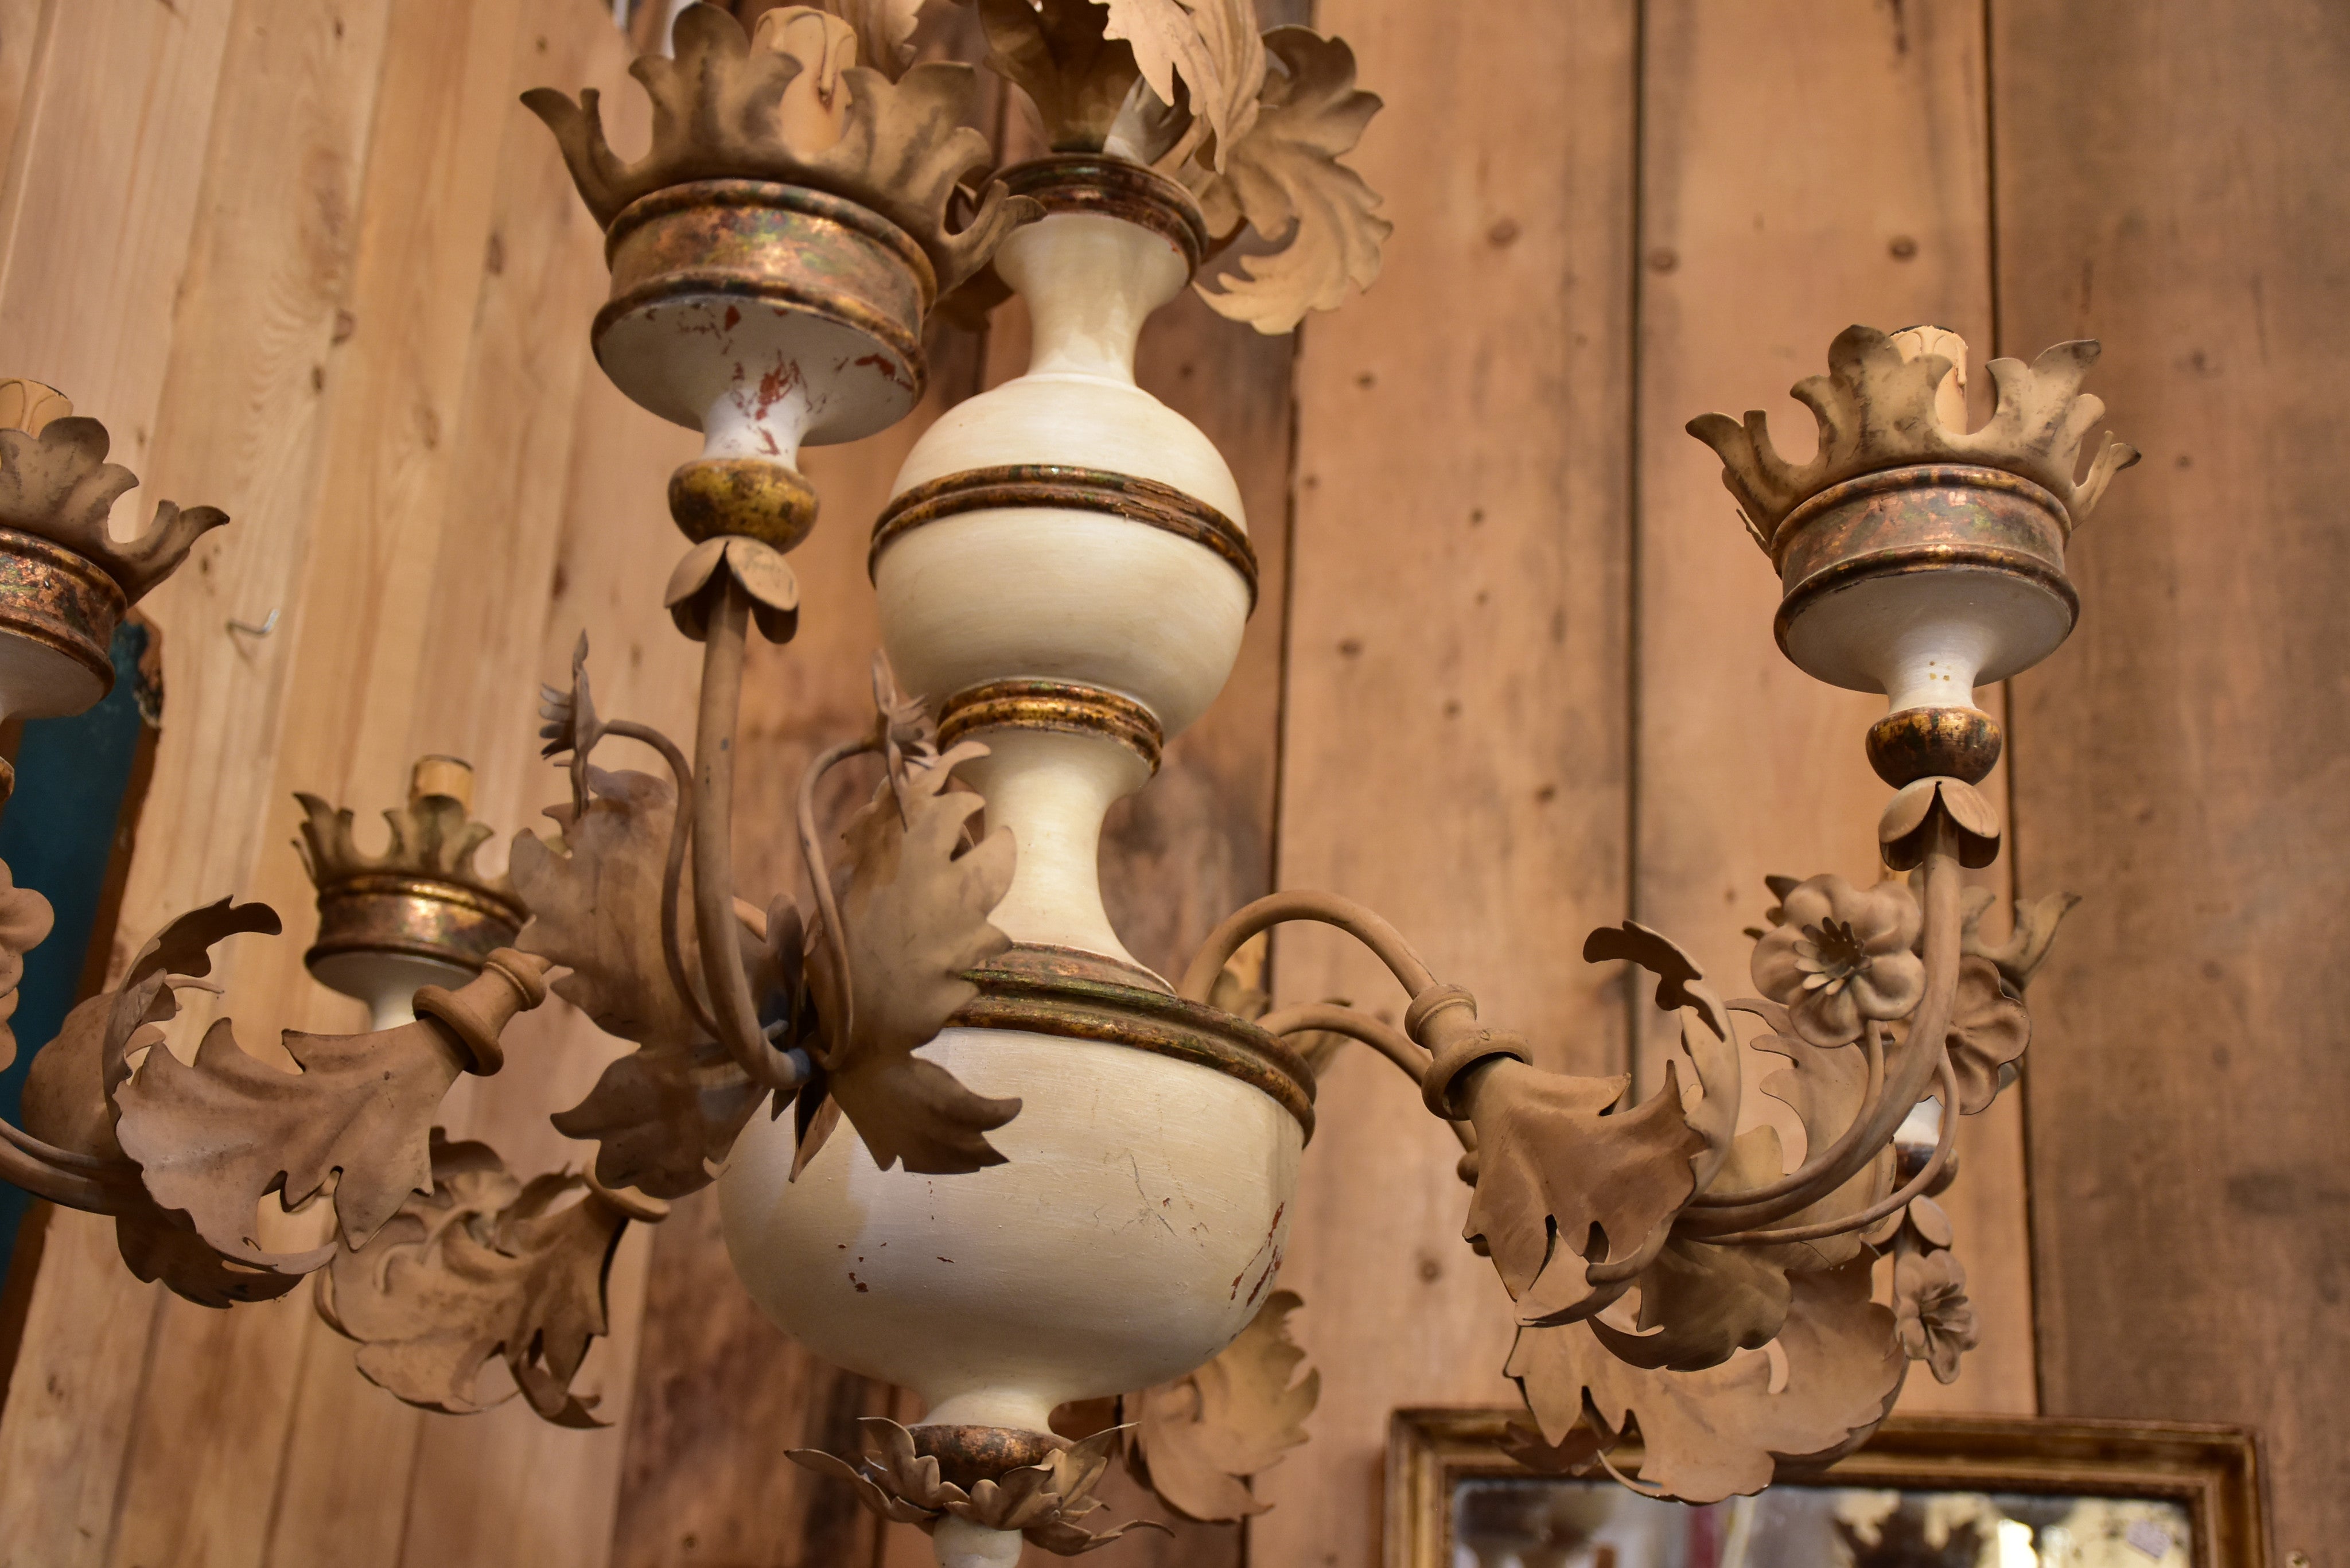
(819, 872)
(1921, 1056)
(1873, 1043)
(1884, 1205)
(1329, 1018)
(1330, 910)
(681, 834)
(59, 1175)
(737, 1014)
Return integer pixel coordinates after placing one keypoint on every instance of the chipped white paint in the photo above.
(1135, 1229)
(1927, 639)
(757, 380)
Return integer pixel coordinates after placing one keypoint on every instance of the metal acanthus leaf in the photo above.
(666, 1115)
(1284, 180)
(214, 1138)
(1712, 1434)
(913, 904)
(480, 1267)
(1199, 1439)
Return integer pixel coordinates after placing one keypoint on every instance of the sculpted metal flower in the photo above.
(1988, 1029)
(1841, 955)
(1931, 1310)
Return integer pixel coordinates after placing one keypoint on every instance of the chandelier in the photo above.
(962, 1141)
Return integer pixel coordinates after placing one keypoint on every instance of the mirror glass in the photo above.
(1564, 1524)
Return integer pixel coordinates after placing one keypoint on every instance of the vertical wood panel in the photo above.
(273, 303)
(506, 1487)
(108, 162)
(104, 247)
(1455, 714)
(244, 419)
(2174, 179)
(1806, 165)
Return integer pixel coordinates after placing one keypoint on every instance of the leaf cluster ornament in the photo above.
(913, 902)
(1199, 1439)
(1566, 1178)
(725, 108)
(1283, 178)
(1711, 1434)
(480, 1267)
(666, 1115)
(1204, 54)
(1083, 83)
(66, 1105)
(1253, 126)
(214, 1138)
(1044, 1501)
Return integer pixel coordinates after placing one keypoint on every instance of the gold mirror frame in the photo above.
(2214, 1472)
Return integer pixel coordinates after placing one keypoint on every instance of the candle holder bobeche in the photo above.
(1920, 557)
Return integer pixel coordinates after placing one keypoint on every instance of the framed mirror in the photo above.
(1926, 1492)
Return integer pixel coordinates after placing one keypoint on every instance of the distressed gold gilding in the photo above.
(1017, 994)
(1934, 742)
(1053, 705)
(1065, 487)
(778, 244)
(50, 595)
(1113, 188)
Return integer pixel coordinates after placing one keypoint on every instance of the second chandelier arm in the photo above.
(1921, 1054)
(1821, 1162)
(1915, 1187)
(1328, 1017)
(737, 1013)
(673, 871)
(1366, 927)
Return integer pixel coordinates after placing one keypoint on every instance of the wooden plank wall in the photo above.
(1511, 677)
(2181, 760)
(312, 262)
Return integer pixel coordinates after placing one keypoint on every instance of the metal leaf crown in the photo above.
(56, 484)
(720, 112)
(431, 839)
(1878, 409)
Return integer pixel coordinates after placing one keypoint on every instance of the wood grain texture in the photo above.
(24, 44)
(506, 1487)
(123, 210)
(108, 162)
(1805, 166)
(1455, 718)
(2181, 761)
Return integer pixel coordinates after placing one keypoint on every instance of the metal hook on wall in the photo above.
(264, 630)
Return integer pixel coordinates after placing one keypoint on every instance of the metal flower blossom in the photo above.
(1988, 1029)
(1930, 1309)
(1043, 1501)
(1841, 955)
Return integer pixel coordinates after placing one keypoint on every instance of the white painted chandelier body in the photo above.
(1141, 1219)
